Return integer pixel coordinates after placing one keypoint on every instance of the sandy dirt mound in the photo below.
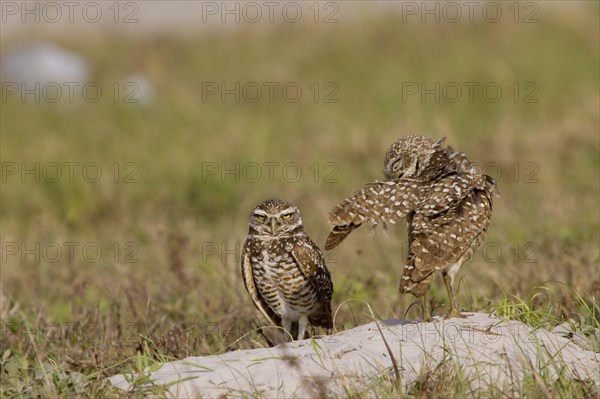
(485, 349)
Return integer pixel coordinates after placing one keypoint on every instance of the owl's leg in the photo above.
(302, 325)
(426, 306)
(448, 280)
(287, 326)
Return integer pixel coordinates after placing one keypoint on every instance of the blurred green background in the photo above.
(184, 226)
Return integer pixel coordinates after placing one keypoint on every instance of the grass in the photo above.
(167, 283)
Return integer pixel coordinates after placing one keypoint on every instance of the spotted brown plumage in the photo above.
(284, 270)
(445, 199)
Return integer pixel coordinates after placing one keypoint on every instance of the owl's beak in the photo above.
(273, 225)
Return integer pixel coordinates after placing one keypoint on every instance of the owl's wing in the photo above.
(312, 265)
(377, 202)
(447, 192)
(258, 300)
(450, 237)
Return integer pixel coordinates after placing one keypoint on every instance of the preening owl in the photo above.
(284, 270)
(447, 203)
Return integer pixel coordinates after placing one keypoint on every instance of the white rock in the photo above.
(484, 346)
(139, 89)
(43, 63)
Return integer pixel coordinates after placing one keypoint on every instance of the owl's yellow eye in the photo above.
(286, 216)
(261, 217)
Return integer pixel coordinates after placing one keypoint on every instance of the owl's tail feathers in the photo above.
(416, 285)
(338, 234)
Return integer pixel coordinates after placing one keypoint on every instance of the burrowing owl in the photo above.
(284, 270)
(446, 200)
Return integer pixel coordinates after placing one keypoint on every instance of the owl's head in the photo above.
(274, 218)
(409, 156)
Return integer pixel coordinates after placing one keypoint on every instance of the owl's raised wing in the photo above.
(312, 265)
(258, 300)
(377, 202)
(447, 192)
